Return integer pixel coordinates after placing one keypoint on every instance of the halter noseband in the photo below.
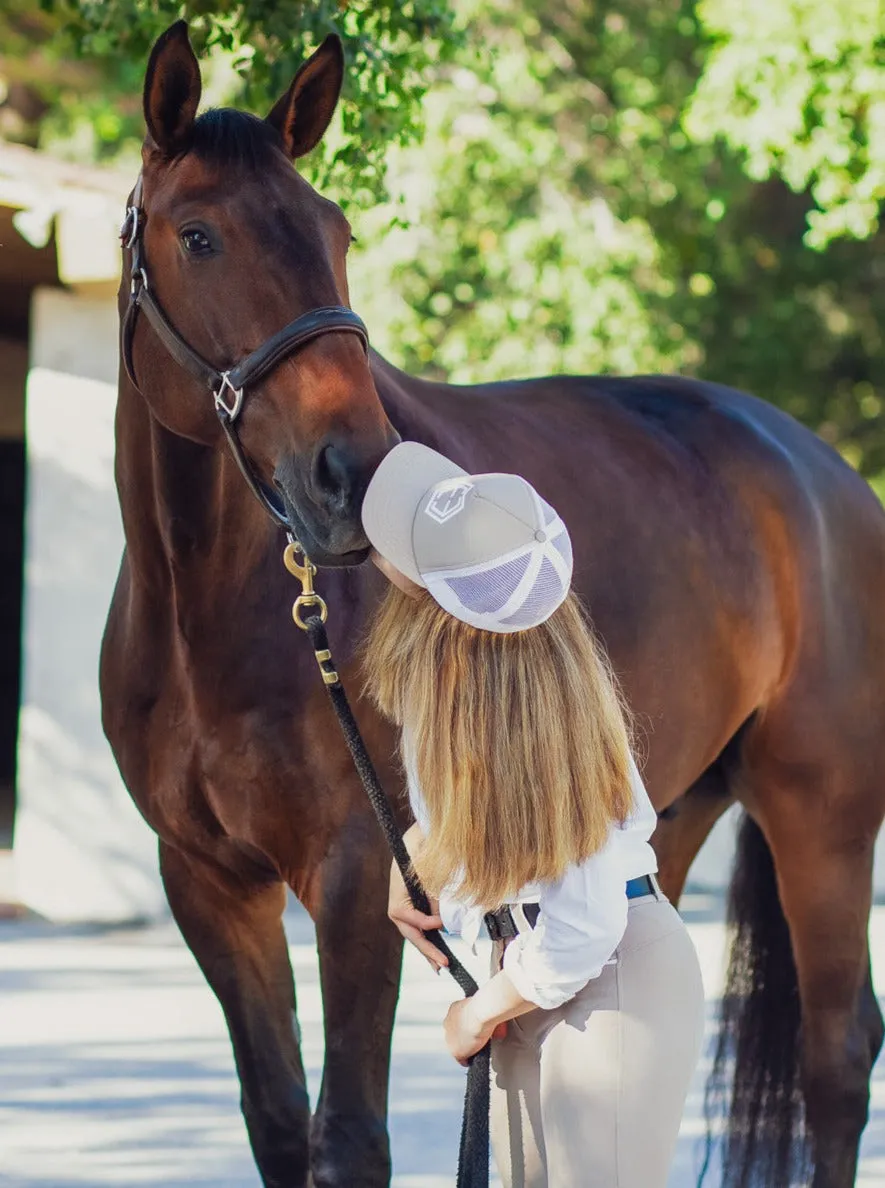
(227, 387)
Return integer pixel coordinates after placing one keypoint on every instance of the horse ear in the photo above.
(303, 114)
(171, 91)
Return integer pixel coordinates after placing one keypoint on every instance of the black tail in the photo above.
(754, 1084)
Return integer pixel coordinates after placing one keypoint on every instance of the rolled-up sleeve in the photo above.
(452, 913)
(459, 918)
(581, 922)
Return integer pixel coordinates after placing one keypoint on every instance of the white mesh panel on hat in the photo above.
(544, 596)
(563, 545)
(496, 599)
(486, 592)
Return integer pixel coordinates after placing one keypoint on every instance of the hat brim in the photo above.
(403, 478)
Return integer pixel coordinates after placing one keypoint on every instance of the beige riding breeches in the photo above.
(591, 1094)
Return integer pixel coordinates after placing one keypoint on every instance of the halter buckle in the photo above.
(232, 410)
(139, 280)
(130, 227)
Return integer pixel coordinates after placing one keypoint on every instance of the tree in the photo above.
(41, 79)
(83, 62)
(569, 215)
(798, 88)
(692, 185)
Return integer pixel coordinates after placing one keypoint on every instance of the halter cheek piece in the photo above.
(228, 387)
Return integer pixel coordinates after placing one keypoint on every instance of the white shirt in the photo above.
(582, 916)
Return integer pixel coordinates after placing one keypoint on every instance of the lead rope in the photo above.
(473, 1152)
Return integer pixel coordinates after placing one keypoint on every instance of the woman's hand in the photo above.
(411, 923)
(465, 1033)
(472, 1022)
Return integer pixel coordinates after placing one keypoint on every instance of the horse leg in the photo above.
(235, 931)
(824, 862)
(684, 827)
(360, 954)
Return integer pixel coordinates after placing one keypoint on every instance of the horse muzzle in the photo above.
(323, 498)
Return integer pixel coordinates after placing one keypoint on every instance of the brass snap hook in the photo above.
(308, 600)
(305, 574)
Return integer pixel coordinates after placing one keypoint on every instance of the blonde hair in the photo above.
(519, 742)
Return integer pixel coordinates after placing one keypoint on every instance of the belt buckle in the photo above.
(501, 925)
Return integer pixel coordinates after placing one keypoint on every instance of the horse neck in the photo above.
(418, 410)
(185, 508)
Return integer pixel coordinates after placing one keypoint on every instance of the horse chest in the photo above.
(185, 743)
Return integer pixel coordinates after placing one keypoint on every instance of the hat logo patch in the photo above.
(448, 501)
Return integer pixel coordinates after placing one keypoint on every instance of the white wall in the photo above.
(81, 850)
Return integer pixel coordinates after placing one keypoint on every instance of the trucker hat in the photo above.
(487, 547)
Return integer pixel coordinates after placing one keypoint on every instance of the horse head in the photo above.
(233, 247)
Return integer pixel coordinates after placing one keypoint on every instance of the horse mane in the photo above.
(226, 137)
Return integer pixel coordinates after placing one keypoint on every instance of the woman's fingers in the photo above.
(411, 923)
(411, 916)
(417, 938)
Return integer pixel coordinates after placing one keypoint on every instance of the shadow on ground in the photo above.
(115, 1068)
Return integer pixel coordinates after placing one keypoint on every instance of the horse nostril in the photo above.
(334, 475)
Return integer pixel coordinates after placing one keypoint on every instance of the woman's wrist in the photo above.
(480, 1027)
(497, 1001)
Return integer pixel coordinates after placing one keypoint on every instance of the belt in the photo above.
(502, 926)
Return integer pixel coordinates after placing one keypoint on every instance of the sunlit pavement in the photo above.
(115, 1067)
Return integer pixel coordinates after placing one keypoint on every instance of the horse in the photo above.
(732, 563)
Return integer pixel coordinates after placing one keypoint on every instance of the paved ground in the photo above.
(115, 1068)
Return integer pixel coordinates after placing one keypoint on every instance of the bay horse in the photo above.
(733, 565)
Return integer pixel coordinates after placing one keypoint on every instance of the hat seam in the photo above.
(481, 566)
(507, 511)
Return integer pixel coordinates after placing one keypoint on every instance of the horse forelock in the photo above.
(227, 138)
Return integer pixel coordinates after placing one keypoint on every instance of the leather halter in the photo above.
(230, 385)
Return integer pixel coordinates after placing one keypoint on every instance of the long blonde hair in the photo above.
(519, 742)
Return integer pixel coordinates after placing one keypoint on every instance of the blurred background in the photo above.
(536, 186)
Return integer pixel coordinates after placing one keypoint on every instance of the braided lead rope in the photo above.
(473, 1153)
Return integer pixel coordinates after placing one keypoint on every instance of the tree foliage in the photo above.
(566, 218)
(604, 185)
(798, 86)
(42, 80)
(390, 48)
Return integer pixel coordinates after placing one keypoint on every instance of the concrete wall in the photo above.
(81, 852)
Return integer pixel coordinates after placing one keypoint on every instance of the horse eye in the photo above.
(196, 242)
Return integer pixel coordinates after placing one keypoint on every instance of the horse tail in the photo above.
(753, 1094)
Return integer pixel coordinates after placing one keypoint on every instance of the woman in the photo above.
(529, 810)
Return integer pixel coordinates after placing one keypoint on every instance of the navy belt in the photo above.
(502, 926)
